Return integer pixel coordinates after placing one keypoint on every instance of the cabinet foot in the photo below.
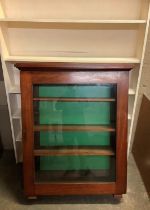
(32, 197)
(117, 197)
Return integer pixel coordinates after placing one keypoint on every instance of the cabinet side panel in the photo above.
(27, 122)
(122, 119)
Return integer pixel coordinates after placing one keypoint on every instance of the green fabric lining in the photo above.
(93, 113)
(75, 163)
(69, 91)
(74, 138)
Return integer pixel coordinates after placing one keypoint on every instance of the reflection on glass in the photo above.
(69, 138)
(74, 113)
(74, 105)
(75, 168)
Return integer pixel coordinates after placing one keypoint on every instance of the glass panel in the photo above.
(76, 91)
(69, 138)
(74, 113)
(75, 168)
(74, 132)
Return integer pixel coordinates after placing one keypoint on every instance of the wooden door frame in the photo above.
(28, 79)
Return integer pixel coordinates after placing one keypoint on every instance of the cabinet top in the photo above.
(37, 66)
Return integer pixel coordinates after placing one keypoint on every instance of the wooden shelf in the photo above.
(71, 59)
(103, 150)
(73, 128)
(74, 21)
(76, 99)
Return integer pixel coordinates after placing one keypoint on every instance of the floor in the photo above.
(11, 195)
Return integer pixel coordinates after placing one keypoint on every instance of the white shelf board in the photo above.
(14, 89)
(17, 114)
(71, 59)
(76, 21)
(129, 116)
(131, 91)
(19, 137)
(19, 150)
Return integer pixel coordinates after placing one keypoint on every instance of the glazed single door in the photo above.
(74, 129)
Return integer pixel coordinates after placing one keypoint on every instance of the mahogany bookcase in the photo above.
(74, 125)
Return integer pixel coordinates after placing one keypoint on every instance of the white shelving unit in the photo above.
(94, 31)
